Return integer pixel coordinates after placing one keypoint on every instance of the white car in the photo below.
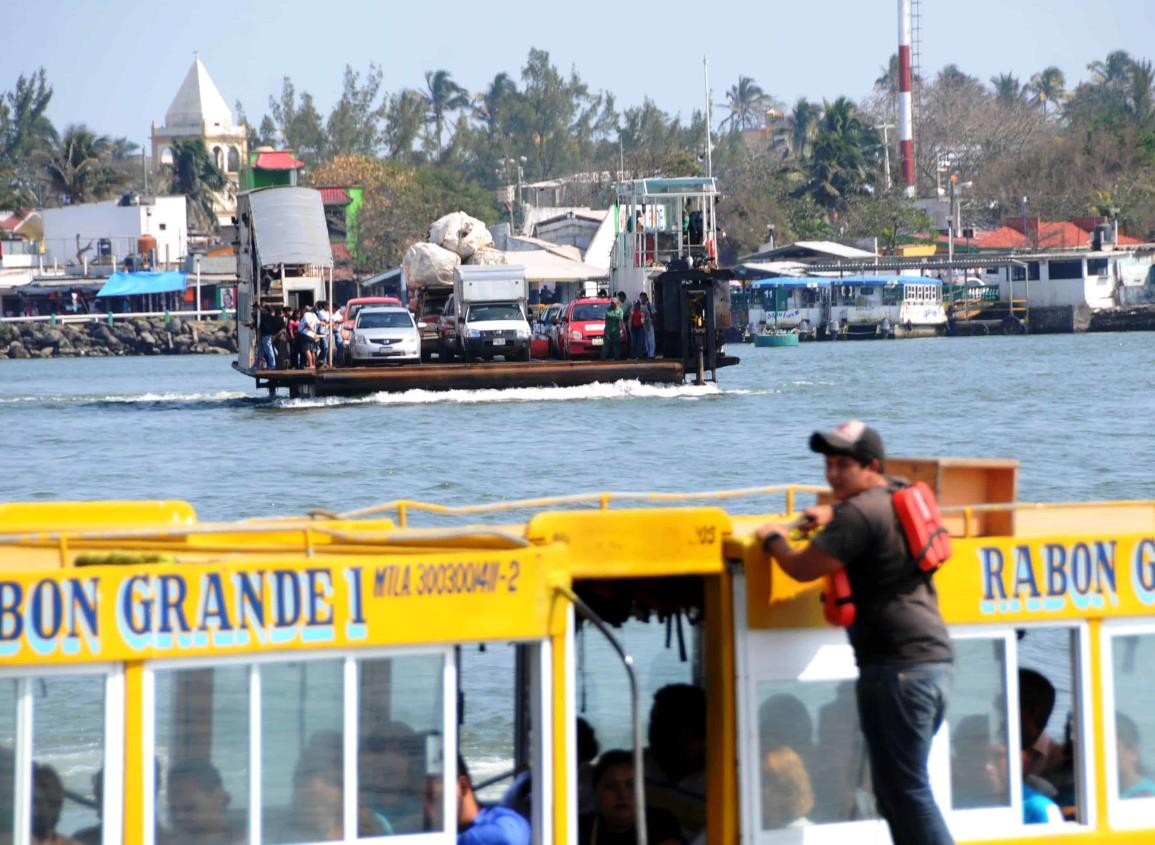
(385, 333)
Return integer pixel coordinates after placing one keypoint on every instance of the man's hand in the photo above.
(769, 530)
(817, 516)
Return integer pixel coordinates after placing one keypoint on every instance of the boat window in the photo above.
(67, 754)
(893, 295)
(1055, 787)
(812, 765)
(8, 695)
(1131, 727)
(58, 737)
(981, 732)
(282, 752)
(401, 718)
(302, 759)
(202, 752)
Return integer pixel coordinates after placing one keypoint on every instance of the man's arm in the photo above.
(806, 564)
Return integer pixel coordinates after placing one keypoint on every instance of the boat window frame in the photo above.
(991, 822)
(1131, 813)
(1082, 700)
(350, 725)
(112, 809)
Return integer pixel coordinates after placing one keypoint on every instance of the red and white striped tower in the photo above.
(905, 108)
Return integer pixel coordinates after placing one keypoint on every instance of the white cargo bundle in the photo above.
(461, 234)
(486, 258)
(428, 265)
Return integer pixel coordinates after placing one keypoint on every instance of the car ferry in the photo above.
(313, 678)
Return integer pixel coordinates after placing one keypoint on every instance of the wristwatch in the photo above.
(768, 539)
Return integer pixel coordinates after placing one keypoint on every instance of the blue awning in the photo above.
(136, 284)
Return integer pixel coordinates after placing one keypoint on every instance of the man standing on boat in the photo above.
(900, 642)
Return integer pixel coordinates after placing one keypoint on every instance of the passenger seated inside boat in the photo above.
(198, 806)
(1133, 780)
(47, 802)
(978, 765)
(787, 797)
(614, 818)
(481, 825)
(675, 761)
(1036, 700)
(317, 813)
(392, 778)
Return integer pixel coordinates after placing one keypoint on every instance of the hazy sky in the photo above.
(116, 64)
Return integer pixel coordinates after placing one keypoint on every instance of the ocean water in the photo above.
(1076, 411)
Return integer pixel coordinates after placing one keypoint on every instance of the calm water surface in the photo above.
(1075, 410)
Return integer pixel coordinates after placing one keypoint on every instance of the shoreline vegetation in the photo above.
(138, 336)
(1038, 146)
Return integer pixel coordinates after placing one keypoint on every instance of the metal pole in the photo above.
(197, 309)
(709, 141)
(635, 708)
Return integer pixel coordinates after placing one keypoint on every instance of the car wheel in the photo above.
(524, 356)
(465, 356)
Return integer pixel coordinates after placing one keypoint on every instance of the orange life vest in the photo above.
(926, 539)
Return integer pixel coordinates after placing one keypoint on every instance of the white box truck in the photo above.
(488, 313)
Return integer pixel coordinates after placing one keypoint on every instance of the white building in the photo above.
(198, 111)
(103, 233)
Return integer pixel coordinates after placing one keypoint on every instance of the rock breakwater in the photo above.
(123, 337)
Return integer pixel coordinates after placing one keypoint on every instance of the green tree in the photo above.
(1009, 91)
(801, 124)
(79, 166)
(297, 122)
(890, 217)
(354, 124)
(746, 102)
(1048, 87)
(1112, 71)
(1140, 92)
(404, 117)
(843, 159)
(24, 131)
(442, 96)
(194, 174)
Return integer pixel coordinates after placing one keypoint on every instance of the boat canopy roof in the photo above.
(289, 223)
(885, 281)
(813, 282)
(690, 186)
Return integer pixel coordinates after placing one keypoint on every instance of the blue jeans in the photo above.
(900, 708)
(268, 352)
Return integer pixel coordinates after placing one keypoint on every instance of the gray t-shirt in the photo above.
(897, 621)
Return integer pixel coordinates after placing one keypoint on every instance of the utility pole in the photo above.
(886, 152)
(709, 119)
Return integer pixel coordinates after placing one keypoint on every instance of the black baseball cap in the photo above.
(854, 438)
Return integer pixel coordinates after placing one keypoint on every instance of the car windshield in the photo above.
(590, 311)
(494, 311)
(384, 320)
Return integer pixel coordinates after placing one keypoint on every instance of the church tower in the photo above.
(199, 111)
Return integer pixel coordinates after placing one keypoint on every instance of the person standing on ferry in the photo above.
(904, 656)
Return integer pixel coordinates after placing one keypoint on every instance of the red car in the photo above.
(582, 329)
(355, 305)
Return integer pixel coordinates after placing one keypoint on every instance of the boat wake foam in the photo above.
(176, 401)
(616, 390)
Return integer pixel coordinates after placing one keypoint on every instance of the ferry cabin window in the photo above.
(980, 732)
(54, 751)
(1096, 266)
(1130, 719)
(293, 751)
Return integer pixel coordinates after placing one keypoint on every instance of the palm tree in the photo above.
(1141, 93)
(442, 95)
(77, 166)
(1113, 71)
(800, 126)
(842, 155)
(1008, 90)
(194, 174)
(1048, 86)
(403, 121)
(746, 101)
(491, 106)
(887, 81)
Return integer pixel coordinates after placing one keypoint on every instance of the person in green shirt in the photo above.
(612, 347)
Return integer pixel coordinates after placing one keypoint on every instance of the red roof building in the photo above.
(335, 196)
(277, 161)
(1044, 234)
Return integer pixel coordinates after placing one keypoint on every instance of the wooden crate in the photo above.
(966, 481)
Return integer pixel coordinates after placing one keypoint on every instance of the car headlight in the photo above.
(523, 333)
(473, 333)
(575, 335)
